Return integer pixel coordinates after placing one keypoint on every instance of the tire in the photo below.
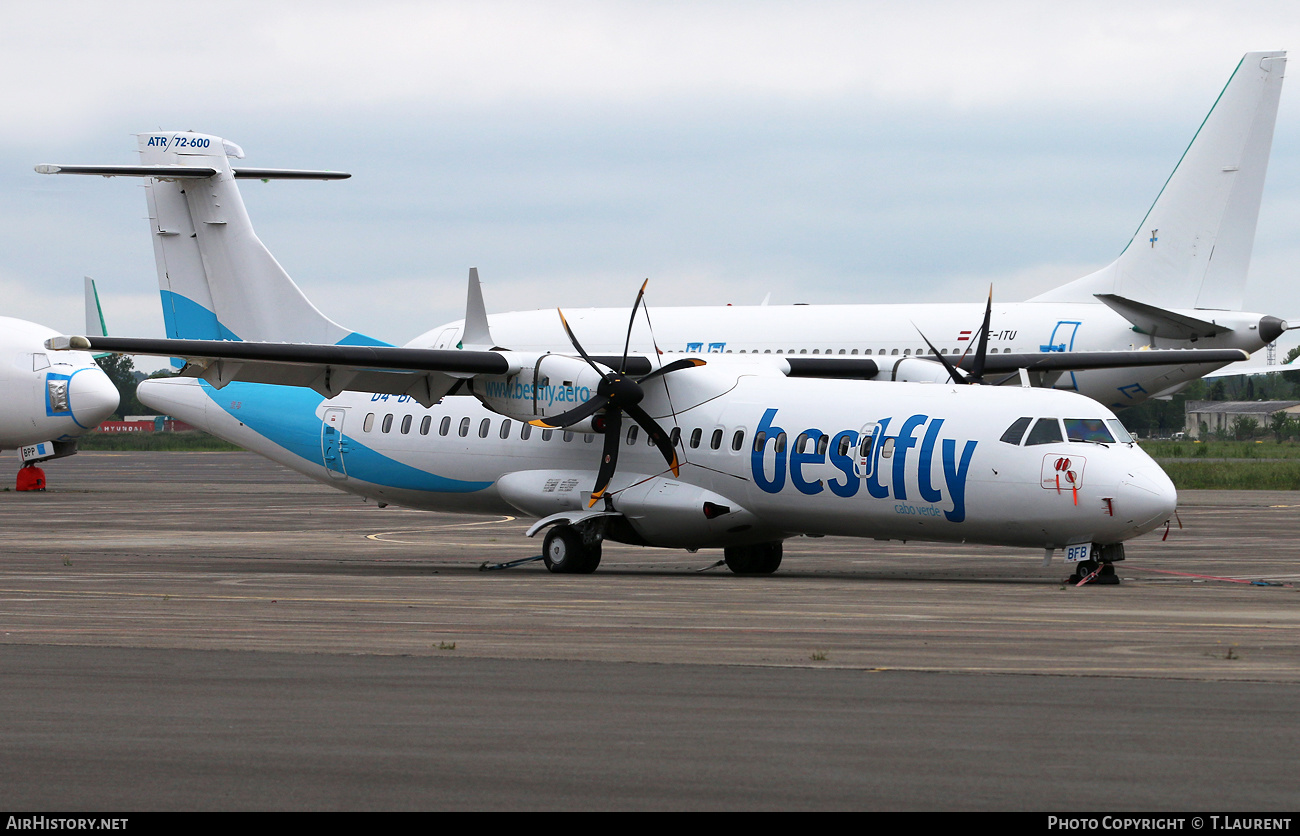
(761, 559)
(564, 552)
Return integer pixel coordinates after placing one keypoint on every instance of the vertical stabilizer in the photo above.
(95, 324)
(218, 281)
(476, 337)
(1192, 250)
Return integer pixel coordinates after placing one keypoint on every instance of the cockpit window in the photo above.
(1016, 431)
(1046, 431)
(1118, 428)
(1088, 429)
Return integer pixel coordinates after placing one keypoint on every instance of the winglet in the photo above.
(476, 336)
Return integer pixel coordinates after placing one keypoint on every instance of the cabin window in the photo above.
(425, 423)
(823, 441)
(818, 351)
(525, 431)
(868, 440)
(631, 434)
(568, 436)
(801, 443)
(546, 434)
(587, 438)
(675, 437)
(1046, 431)
(444, 426)
(388, 423)
(368, 424)
(715, 441)
(780, 443)
(406, 424)
(505, 429)
(760, 440)
(1087, 429)
(695, 437)
(893, 353)
(855, 351)
(887, 448)
(845, 443)
(738, 440)
(464, 427)
(1016, 431)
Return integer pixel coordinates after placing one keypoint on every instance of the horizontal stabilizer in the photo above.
(186, 172)
(287, 174)
(162, 172)
(1158, 322)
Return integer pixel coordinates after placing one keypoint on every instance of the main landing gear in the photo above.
(760, 559)
(569, 550)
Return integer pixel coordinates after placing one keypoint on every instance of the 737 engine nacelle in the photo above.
(545, 386)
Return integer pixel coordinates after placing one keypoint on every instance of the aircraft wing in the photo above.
(425, 374)
(1079, 361)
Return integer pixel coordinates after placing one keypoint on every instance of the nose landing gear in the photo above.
(1101, 571)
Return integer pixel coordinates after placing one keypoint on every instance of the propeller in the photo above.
(976, 373)
(618, 394)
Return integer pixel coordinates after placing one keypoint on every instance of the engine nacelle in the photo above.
(550, 385)
(917, 370)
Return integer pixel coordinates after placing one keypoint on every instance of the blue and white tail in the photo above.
(218, 281)
(1192, 250)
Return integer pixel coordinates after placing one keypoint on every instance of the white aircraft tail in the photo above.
(1192, 250)
(218, 280)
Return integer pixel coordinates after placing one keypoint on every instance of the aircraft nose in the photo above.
(1147, 497)
(92, 397)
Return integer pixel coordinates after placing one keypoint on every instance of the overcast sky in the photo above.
(817, 151)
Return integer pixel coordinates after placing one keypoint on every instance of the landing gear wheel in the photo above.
(761, 559)
(1105, 577)
(566, 553)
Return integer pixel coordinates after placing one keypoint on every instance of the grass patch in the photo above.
(1221, 450)
(1241, 475)
(190, 441)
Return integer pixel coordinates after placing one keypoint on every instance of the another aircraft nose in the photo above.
(1147, 497)
(92, 397)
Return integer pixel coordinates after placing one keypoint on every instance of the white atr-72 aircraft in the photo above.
(1179, 283)
(47, 399)
(739, 452)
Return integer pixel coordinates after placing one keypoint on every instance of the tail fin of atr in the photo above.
(1192, 250)
(218, 281)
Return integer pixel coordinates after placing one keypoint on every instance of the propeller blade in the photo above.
(674, 366)
(574, 415)
(656, 433)
(952, 372)
(977, 370)
(627, 344)
(609, 456)
(573, 339)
